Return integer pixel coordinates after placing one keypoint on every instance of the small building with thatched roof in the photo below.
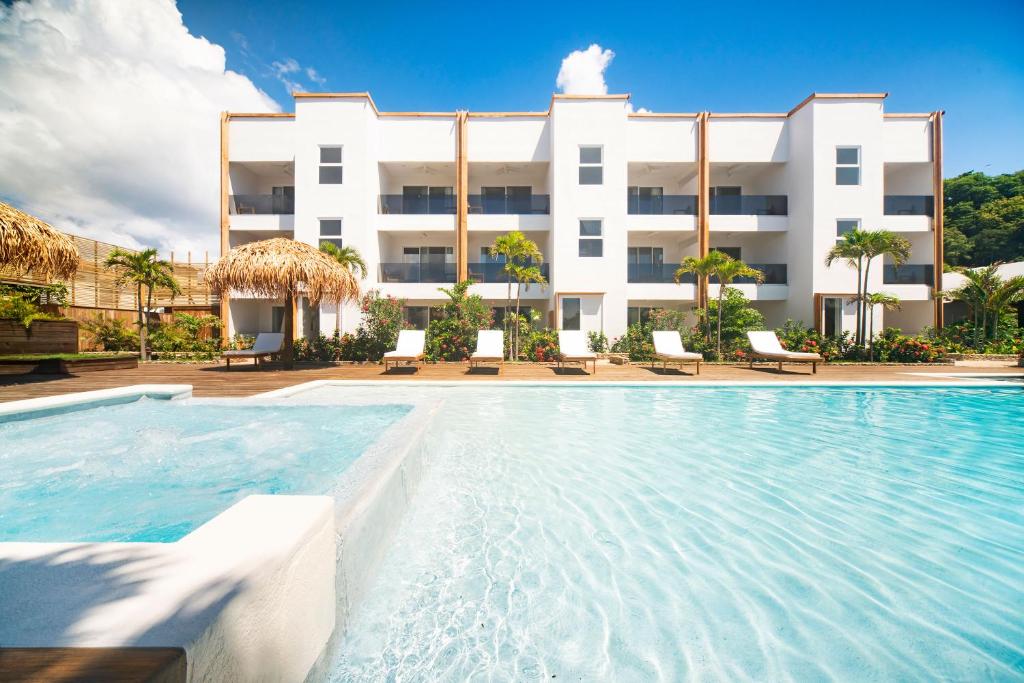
(283, 270)
(27, 244)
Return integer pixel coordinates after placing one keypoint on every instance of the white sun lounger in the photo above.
(409, 348)
(490, 348)
(266, 344)
(668, 348)
(572, 348)
(766, 345)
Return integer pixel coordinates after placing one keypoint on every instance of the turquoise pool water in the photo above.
(154, 470)
(660, 534)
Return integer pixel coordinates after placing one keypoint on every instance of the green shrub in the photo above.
(378, 331)
(19, 305)
(242, 341)
(795, 336)
(322, 348)
(597, 341)
(963, 337)
(453, 337)
(112, 335)
(891, 346)
(738, 318)
(541, 345)
(184, 334)
(637, 342)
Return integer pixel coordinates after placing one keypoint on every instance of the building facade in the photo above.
(614, 199)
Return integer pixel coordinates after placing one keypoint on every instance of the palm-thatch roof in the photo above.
(29, 244)
(277, 267)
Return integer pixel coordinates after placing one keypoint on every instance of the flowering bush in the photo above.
(965, 337)
(893, 347)
(597, 342)
(378, 331)
(541, 345)
(795, 336)
(334, 348)
(453, 337)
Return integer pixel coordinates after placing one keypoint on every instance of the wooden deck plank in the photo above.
(113, 664)
(244, 380)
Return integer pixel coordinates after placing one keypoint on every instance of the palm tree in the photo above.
(889, 303)
(142, 269)
(881, 243)
(351, 260)
(517, 250)
(728, 270)
(852, 249)
(702, 267)
(346, 256)
(986, 295)
(523, 275)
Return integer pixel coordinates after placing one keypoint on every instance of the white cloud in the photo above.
(582, 73)
(109, 120)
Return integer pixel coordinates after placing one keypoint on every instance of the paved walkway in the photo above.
(244, 380)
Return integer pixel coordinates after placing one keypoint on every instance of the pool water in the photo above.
(642, 534)
(154, 470)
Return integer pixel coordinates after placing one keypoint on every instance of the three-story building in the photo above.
(614, 199)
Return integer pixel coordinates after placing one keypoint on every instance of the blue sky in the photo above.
(966, 58)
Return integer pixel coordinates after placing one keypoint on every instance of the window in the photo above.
(330, 231)
(638, 314)
(845, 225)
(591, 243)
(645, 200)
(430, 200)
(277, 318)
(833, 317)
(731, 252)
(571, 313)
(591, 169)
(847, 165)
(330, 166)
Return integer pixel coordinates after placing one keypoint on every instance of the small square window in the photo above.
(847, 175)
(590, 155)
(593, 245)
(590, 227)
(847, 156)
(591, 248)
(591, 169)
(330, 166)
(845, 225)
(330, 175)
(330, 226)
(847, 165)
(330, 155)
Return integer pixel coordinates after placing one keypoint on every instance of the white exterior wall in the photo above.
(792, 156)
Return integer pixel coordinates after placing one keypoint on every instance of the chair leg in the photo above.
(751, 362)
(814, 368)
(780, 366)
(228, 359)
(698, 367)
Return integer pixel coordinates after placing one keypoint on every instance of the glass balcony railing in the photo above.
(507, 205)
(773, 274)
(908, 274)
(663, 205)
(406, 204)
(495, 272)
(241, 204)
(656, 273)
(417, 272)
(750, 205)
(909, 205)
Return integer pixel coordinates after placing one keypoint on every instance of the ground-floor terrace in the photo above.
(245, 380)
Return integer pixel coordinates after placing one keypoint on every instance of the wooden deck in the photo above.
(244, 380)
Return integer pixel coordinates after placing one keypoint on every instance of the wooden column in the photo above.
(703, 199)
(938, 191)
(225, 245)
(461, 196)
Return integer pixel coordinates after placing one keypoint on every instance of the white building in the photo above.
(614, 200)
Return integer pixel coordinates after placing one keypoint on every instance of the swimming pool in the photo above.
(154, 470)
(615, 533)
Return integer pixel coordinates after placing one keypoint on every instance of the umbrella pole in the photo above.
(289, 331)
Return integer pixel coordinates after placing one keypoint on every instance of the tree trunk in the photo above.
(864, 295)
(288, 355)
(142, 325)
(705, 283)
(149, 307)
(519, 292)
(871, 335)
(721, 289)
(504, 322)
(856, 332)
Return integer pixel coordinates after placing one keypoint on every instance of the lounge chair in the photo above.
(409, 348)
(668, 348)
(266, 344)
(766, 345)
(572, 348)
(490, 348)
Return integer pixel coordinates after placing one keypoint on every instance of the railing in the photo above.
(657, 273)
(773, 274)
(750, 205)
(495, 272)
(402, 204)
(663, 205)
(908, 274)
(909, 205)
(261, 204)
(529, 204)
(417, 272)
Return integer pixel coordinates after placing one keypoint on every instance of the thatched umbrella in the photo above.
(283, 268)
(28, 244)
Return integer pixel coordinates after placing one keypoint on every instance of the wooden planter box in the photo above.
(58, 366)
(43, 336)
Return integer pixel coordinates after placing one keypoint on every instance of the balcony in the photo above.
(909, 205)
(662, 205)
(908, 274)
(261, 204)
(661, 273)
(773, 274)
(495, 272)
(417, 272)
(507, 205)
(416, 205)
(750, 205)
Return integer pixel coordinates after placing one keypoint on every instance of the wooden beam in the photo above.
(938, 190)
(703, 199)
(461, 196)
(225, 243)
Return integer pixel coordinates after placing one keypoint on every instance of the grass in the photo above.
(35, 357)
